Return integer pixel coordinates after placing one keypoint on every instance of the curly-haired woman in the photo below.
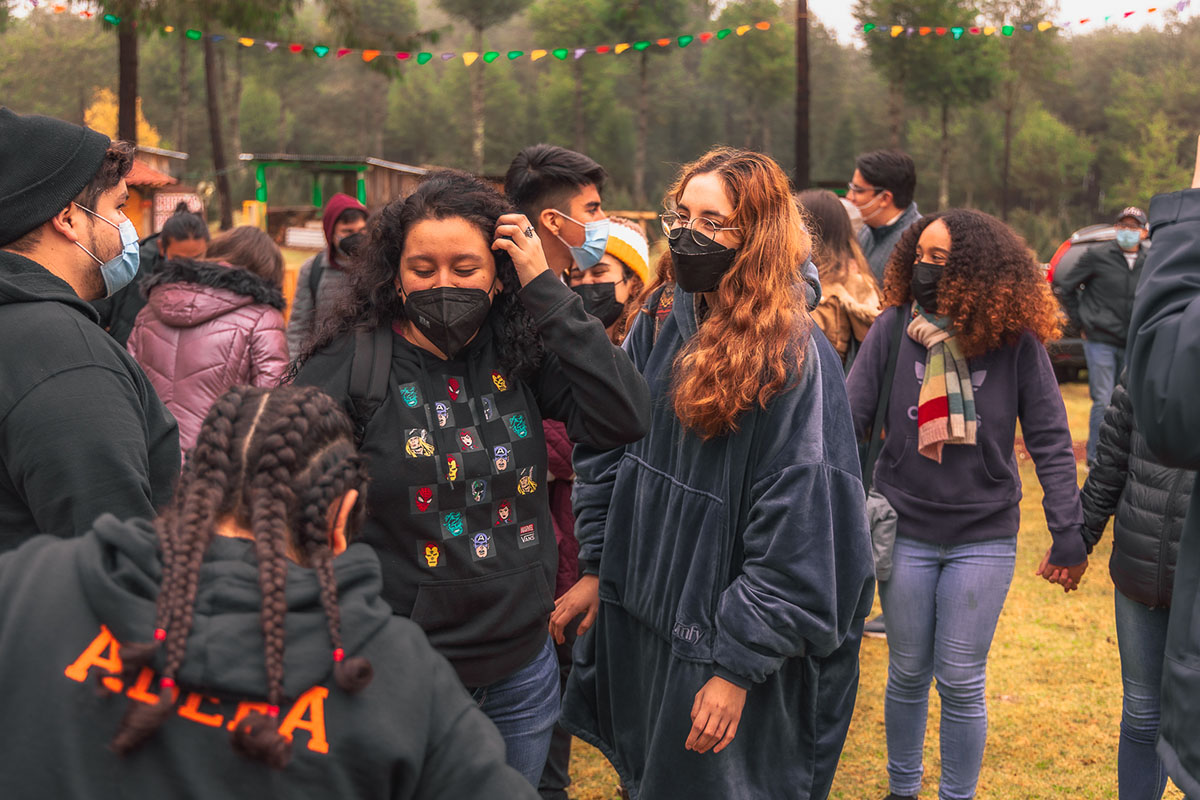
(726, 555)
(484, 343)
(977, 311)
(241, 618)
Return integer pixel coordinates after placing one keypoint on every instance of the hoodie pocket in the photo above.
(963, 477)
(474, 611)
(666, 555)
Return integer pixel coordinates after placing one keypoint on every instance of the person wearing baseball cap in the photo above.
(82, 431)
(1098, 296)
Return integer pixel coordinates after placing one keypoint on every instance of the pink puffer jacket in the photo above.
(207, 327)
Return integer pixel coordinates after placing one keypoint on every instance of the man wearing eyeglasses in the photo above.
(882, 189)
(1098, 296)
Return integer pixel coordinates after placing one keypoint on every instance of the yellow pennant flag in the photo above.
(1045, 26)
(536, 54)
(246, 41)
(897, 30)
(469, 58)
(989, 30)
(741, 29)
(621, 48)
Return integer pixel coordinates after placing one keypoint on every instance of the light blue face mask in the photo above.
(122, 269)
(595, 239)
(1127, 239)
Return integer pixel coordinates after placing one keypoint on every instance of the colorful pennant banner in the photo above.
(470, 57)
(957, 31)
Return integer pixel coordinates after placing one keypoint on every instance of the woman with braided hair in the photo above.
(239, 617)
(481, 343)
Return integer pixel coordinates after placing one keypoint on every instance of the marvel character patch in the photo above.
(489, 407)
(468, 440)
(432, 553)
(527, 485)
(480, 492)
(500, 383)
(481, 546)
(418, 443)
(445, 416)
(501, 457)
(424, 498)
(410, 394)
(518, 425)
(504, 513)
(453, 388)
(452, 524)
(452, 467)
(527, 535)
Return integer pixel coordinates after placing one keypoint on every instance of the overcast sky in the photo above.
(838, 14)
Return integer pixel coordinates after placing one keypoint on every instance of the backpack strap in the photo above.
(662, 308)
(881, 407)
(314, 277)
(370, 367)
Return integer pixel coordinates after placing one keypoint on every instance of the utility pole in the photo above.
(802, 149)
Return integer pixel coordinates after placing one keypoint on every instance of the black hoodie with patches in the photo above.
(82, 431)
(413, 732)
(457, 508)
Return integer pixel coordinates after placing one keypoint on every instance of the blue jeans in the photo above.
(1104, 364)
(942, 604)
(1142, 639)
(524, 707)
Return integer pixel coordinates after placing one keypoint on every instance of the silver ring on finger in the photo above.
(528, 231)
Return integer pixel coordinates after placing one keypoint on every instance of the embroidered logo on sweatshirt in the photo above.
(527, 485)
(527, 535)
(500, 383)
(410, 394)
(689, 633)
(468, 440)
(479, 492)
(489, 407)
(451, 467)
(500, 458)
(453, 387)
(433, 554)
(452, 524)
(445, 416)
(418, 443)
(517, 424)
(424, 499)
(504, 513)
(481, 545)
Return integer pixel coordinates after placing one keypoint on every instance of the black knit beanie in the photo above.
(44, 164)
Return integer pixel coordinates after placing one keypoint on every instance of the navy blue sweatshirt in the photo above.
(975, 493)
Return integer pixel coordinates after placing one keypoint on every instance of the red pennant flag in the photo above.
(940, 31)
(603, 48)
(663, 42)
(974, 31)
(704, 37)
(295, 48)
(342, 51)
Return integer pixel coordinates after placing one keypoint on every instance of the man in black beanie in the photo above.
(81, 430)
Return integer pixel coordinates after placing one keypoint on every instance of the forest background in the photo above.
(1051, 131)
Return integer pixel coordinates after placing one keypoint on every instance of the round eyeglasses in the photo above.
(673, 225)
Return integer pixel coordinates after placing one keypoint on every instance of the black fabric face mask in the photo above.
(449, 317)
(351, 245)
(925, 277)
(699, 267)
(600, 300)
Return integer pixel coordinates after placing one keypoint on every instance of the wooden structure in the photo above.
(373, 181)
(155, 189)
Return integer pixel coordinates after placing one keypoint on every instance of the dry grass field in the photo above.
(1054, 685)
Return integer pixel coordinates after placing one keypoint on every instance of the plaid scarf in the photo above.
(946, 408)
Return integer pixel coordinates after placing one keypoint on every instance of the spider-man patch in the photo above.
(423, 499)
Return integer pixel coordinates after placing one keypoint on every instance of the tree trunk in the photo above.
(944, 183)
(477, 104)
(185, 97)
(127, 78)
(212, 83)
(643, 126)
(1007, 160)
(765, 125)
(580, 142)
(895, 113)
(802, 97)
(235, 101)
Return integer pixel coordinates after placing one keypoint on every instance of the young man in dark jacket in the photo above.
(1147, 502)
(882, 190)
(81, 429)
(1098, 296)
(1164, 384)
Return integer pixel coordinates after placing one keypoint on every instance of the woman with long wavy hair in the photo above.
(726, 555)
(480, 342)
(977, 312)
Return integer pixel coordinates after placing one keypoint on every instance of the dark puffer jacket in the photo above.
(1147, 500)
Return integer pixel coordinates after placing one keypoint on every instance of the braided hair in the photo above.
(274, 461)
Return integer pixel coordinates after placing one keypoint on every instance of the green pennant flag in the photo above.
(721, 34)
(490, 56)
(424, 58)
(194, 35)
(684, 41)
(513, 55)
(560, 53)
(640, 45)
(321, 50)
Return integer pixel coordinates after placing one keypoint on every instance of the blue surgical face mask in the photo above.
(119, 271)
(595, 239)
(1128, 239)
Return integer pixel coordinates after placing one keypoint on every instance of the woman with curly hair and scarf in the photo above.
(976, 311)
(726, 555)
(481, 342)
